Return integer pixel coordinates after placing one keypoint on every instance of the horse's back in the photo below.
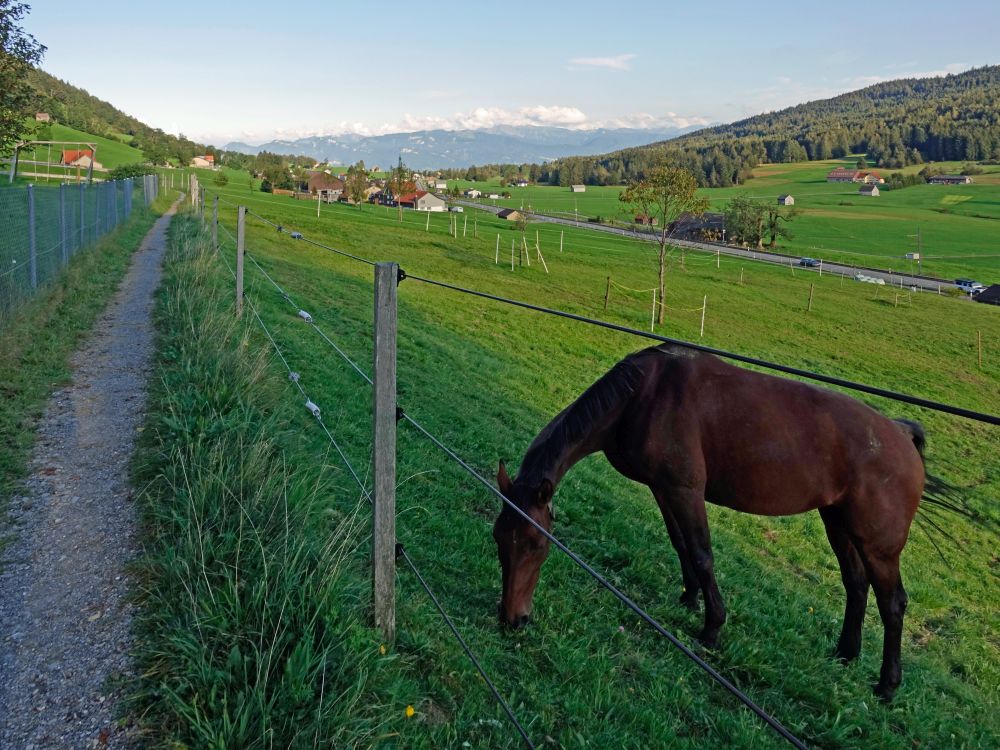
(771, 445)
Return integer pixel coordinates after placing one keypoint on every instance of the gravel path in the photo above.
(64, 616)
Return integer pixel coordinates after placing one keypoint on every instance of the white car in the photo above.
(969, 286)
(457, 209)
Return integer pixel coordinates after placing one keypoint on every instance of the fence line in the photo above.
(798, 372)
(68, 218)
(400, 550)
(645, 616)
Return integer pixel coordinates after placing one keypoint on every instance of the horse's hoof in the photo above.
(708, 641)
(689, 601)
(885, 692)
(845, 656)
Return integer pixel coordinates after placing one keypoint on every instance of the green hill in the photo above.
(896, 124)
(110, 153)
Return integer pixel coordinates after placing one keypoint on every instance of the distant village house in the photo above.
(786, 200)
(440, 185)
(42, 117)
(327, 187)
(706, 226)
(83, 158)
(510, 214)
(205, 162)
(521, 183)
(473, 193)
(842, 174)
(646, 220)
(421, 200)
(578, 188)
(871, 190)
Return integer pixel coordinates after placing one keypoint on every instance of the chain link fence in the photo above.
(42, 227)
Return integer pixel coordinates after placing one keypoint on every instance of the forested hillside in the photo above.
(897, 123)
(72, 106)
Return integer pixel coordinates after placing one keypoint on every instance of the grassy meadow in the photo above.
(485, 378)
(959, 224)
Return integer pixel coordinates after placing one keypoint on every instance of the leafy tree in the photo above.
(18, 53)
(220, 179)
(862, 164)
(745, 220)
(357, 183)
(776, 223)
(664, 193)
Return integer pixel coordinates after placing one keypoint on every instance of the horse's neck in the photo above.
(551, 456)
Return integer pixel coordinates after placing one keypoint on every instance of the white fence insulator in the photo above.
(294, 377)
(313, 409)
(305, 316)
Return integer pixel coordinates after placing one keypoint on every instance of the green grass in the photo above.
(37, 341)
(959, 224)
(486, 378)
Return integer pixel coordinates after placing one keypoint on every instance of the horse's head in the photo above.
(522, 548)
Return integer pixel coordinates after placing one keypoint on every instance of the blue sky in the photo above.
(221, 71)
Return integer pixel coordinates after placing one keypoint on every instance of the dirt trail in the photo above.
(64, 618)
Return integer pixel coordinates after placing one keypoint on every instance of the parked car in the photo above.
(969, 286)
(457, 209)
(869, 279)
(808, 262)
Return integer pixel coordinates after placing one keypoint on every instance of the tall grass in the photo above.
(249, 632)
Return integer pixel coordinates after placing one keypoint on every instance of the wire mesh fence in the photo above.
(42, 227)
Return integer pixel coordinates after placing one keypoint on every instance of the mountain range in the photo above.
(442, 149)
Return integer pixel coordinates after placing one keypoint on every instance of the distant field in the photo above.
(487, 377)
(110, 153)
(959, 225)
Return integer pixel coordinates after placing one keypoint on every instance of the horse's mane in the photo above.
(578, 420)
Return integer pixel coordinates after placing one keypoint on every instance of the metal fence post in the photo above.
(384, 449)
(63, 238)
(32, 249)
(215, 223)
(83, 217)
(240, 245)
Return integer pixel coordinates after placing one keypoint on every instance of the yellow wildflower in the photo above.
(409, 712)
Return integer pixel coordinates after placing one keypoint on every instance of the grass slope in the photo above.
(110, 153)
(485, 378)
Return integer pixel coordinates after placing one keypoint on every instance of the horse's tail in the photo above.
(939, 494)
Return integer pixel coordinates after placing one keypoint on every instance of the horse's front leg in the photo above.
(688, 506)
(689, 596)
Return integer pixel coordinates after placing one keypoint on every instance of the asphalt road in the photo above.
(897, 280)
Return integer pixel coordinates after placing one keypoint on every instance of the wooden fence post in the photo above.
(809, 307)
(704, 306)
(384, 450)
(607, 294)
(215, 223)
(240, 247)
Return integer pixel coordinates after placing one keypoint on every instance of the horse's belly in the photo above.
(772, 489)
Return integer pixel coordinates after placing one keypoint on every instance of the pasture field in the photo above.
(485, 378)
(959, 224)
(110, 153)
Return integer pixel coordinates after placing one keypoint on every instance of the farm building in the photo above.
(870, 178)
(871, 190)
(646, 220)
(440, 185)
(509, 214)
(327, 187)
(950, 179)
(494, 196)
(843, 175)
(578, 188)
(42, 117)
(990, 295)
(473, 193)
(421, 200)
(206, 162)
(706, 226)
(83, 158)
(786, 200)
(521, 183)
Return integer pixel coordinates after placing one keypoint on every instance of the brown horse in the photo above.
(694, 428)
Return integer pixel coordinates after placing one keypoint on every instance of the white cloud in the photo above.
(617, 62)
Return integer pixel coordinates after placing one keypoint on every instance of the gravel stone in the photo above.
(64, 615)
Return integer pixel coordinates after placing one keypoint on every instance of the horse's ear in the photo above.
(503, 481)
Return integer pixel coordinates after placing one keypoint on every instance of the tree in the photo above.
(745, 220)
(357, 183)
(775, 223)
(399, 183)
(862, 164)
(664, 194)
(18, 53)
(220, 179)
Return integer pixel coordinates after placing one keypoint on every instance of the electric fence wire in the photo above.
(767, 718)
(797, 372)
(400, 550)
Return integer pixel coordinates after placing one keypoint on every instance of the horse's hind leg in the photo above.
(689, 597)
(883, 572)
(852, 573)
